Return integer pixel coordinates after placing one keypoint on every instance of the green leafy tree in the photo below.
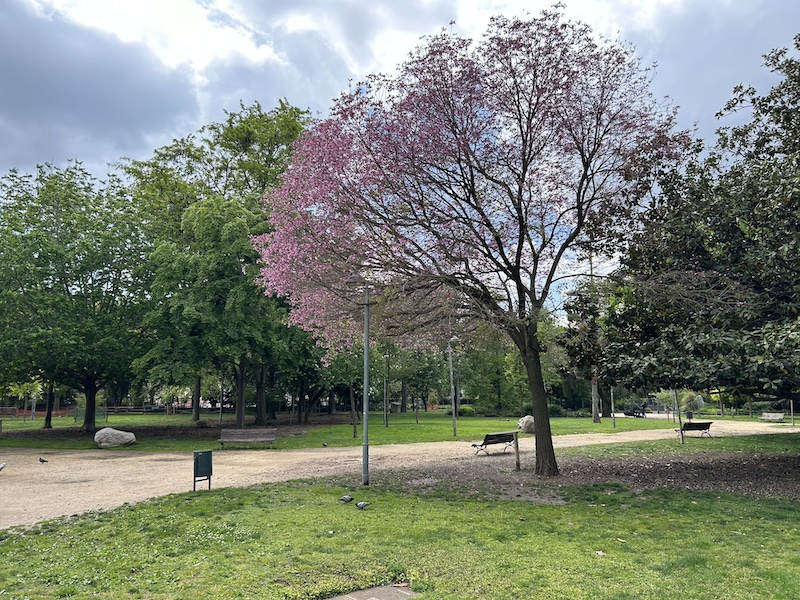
(203, 193)
(70, 287)
(708, 296)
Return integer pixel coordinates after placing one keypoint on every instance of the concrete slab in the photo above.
(384, 592)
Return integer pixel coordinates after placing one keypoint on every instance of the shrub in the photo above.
(466, 411)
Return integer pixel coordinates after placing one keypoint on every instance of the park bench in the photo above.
(263, 435)
(777, 417)
(508, 438)
(8, 411)
(636, 412)
(701, 426)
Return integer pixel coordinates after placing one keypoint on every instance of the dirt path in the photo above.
(76, 481)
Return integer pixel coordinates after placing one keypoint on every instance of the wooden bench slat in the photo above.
(247, 436)
(772, 416)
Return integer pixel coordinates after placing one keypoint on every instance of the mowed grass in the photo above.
(296, 540)
(402, 429)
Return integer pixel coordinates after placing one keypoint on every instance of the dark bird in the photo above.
(362, 505)
(41, 460)
(346, 499)
(324, 445)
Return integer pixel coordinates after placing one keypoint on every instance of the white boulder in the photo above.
(108, 437)
(526, 424)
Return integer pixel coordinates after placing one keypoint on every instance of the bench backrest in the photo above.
(772, 415)
(498, 438)
(691, 426)
(247, 433)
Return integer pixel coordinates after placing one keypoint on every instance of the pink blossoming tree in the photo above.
(474, 176)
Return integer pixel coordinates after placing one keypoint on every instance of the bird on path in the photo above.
(41, 460)
(2, 466)
(346, 499)
(362, 505)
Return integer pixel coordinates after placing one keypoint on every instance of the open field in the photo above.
(634, 515)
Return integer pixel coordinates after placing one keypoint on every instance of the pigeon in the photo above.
(2, 466)
(346, 499)
(41, 460)
(362, 505)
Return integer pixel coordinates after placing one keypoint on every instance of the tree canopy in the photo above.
(473, 176)
(708, 294)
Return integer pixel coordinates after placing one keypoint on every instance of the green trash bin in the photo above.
(202, 467)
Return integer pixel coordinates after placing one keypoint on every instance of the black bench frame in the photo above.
(701, 426)
(509, 438)
(505, 437)
(247, 436)
(636, 412)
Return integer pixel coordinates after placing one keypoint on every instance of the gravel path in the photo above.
(76, 481)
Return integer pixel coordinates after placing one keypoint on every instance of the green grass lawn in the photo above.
(450, 541)
(402, 429)
(296, 540)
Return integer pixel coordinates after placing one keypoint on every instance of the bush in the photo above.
(466, 411)
(486, 411)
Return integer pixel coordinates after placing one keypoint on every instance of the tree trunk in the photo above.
(196, 399)
(312, 403)
(261, 395)
(272, 401)
(528, 346)
(595, 401)
(240, 382)
(90, 389)
(403, 396)
(51, 400)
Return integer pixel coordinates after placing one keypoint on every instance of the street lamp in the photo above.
(357, 280)
(453, 340)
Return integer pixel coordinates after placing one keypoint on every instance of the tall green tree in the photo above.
(70, 288)
(203, 196)
(709, 295)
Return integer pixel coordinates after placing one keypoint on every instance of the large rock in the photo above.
(108, 437)
(526, 424)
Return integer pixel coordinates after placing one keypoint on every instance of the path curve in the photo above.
(76, 481)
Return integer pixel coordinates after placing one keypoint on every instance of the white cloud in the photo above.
(177, 31)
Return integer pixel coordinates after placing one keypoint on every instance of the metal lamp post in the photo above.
(450, 342)
(357, 280)
(365, 443)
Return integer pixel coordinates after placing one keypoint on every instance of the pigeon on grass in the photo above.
(346, 499)
(362, 505)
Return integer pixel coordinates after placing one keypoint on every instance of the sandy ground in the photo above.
(72, 482)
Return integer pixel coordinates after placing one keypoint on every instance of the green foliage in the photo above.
(71, 284)
(708, 296)
(203, 193)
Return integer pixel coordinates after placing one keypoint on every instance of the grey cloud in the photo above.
(706, 48)
(315, 71)
(69, 93)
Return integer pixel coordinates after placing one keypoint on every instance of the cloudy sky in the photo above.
(97, 80)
